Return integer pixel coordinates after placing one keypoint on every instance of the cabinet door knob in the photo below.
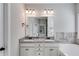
(39, 45)
(51, 49)
(39, 49)
(26, 49)
(39, 54)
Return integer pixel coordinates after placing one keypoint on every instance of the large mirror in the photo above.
(39, 27)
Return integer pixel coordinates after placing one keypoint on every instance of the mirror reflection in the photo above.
(38, 26)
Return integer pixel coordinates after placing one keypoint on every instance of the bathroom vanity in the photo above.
(35, 46)
(38, 47)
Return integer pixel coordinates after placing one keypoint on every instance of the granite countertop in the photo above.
(40, 40)
(36, 39)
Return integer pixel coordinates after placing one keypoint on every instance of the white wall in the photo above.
(17, 31)
(77, 17)
(64, 20)
(5, 27)
(77, 5)
(77, 23)
(1, 27)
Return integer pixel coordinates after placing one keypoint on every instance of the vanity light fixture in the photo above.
(23, 24)
(45, 12)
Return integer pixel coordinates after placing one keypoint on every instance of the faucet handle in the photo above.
(2, 49)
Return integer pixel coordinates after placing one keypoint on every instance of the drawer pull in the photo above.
(39, 45)
(39, 49)
(51, 49)
(26, 49)
(39, 54)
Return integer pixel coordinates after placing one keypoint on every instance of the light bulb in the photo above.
(45, 11)
(30, 11)
(26, 11)
(48, 11)
(52, 11)
(33, 12)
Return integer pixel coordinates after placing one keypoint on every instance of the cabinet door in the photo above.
(50, 51)
(27, 51)
(60, 53)
(39, 51)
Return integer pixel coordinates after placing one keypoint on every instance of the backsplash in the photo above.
(68, 37)
(62, 37)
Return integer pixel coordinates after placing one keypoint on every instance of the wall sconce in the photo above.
(23, 24)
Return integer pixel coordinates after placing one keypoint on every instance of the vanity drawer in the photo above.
(28, 44)
(51, 51)
(27, 51)
(31, 51)
(51, 45)
(32, 44)
(39, 44)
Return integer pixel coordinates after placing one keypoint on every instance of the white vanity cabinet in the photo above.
(38, 49)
